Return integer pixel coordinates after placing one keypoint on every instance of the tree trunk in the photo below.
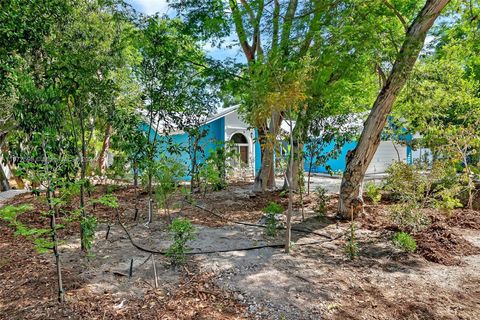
(83, 174)
(297, 166)
(4, 185)
(102, 158)
(309, 174)
(288, 232)
(266, 176)
(53, 227)
(360, 158)
(135, 186)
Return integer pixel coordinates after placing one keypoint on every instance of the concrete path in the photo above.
(5, 195)
(331, 183)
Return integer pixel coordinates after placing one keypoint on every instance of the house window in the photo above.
(241, 147)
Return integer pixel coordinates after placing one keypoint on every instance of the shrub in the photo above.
(373, 192)
(322, 200)
(168, 174)
(273, 207)
(210, 176)
(181, 231)
(405, 241)
(408, 217)
(405, 182)
(351, 248)
(88, 225)
(271, 210)
(437, 187)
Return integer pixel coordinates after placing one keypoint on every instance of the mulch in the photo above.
(439, 244)
(28, 287)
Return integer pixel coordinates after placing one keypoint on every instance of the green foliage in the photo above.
(111, 188)
(351, 248)
(373, 192)
(167, 176)
(408, 216)
(271, 224)
(220, 159)
(108, 200)
(405, 182)
(181, 231)
(88, 226)
(322, 201)
(40, 237)
(274, 208)
(209, 176)
(405, 241)
(418, 186)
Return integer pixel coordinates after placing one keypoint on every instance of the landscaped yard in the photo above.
(240, 159)
(317, 280)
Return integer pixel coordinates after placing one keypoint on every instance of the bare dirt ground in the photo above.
(317, 281)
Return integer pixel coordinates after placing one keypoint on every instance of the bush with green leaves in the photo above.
(351, 248)
(181, 231)
(322, 201)
(273, 207)
(88, 226)
(405, 182)
(416, 187)
(41, 237)
(221, 159)
(405, 241)
(168, 175)
(426, 186)
(373, 192)
(210, 176)
(107, 200)
(408, 216)
(271, 224)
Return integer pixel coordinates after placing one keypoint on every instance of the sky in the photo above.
(228, 49)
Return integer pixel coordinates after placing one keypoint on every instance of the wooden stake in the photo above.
(108, 232)
(130, 272)
(155, 271)
(149, 211)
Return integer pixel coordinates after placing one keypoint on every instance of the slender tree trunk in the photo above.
(102, 161)
(297, 166)
(396, 150)
(135, 186)
(83, 174)
(4, 185)
(194, 178)
(53, 227)
(309, 174)
(266, 176)
(288, 232)
(358, 161)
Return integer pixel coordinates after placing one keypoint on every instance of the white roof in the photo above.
(220, 113)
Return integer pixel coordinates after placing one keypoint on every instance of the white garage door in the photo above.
(385, 155)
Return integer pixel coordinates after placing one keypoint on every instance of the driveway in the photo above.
(332, 183)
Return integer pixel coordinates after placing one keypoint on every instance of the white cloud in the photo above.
(151, 6)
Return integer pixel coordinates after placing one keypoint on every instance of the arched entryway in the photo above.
(241, 147)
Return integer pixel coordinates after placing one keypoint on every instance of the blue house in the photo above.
(227, 125)
(223, 126)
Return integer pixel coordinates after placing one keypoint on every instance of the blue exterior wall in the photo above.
(258, 153)
(215, 136)
(337, 164)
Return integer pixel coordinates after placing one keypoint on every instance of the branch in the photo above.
(241, 33)
(398, 14)
(381, 74)
(287, 25)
